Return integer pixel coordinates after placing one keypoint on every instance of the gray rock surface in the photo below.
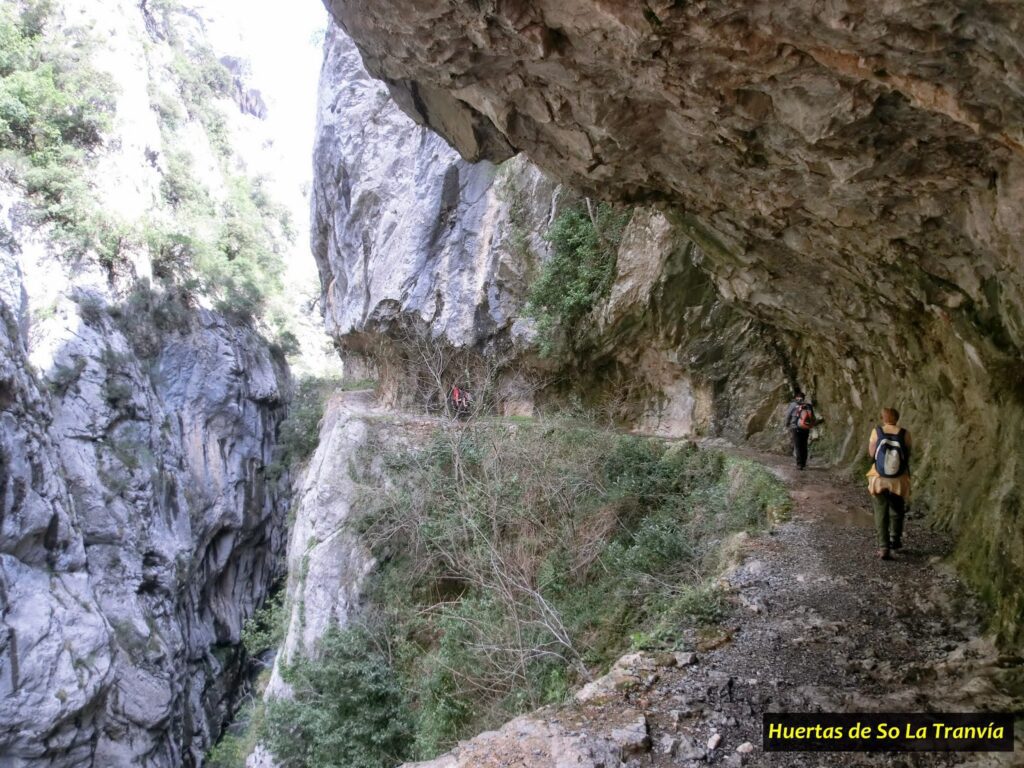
(409, 236)
(557, 742)
(852, 173)
(138, 530)
(56, 649)
(404, 230)
(326, 561)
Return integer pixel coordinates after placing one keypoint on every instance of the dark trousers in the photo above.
(800, 437)
(889, 511)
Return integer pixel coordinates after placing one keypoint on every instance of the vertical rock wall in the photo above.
(851, 171)
(138, 527)
(403, 228)
(408, 235)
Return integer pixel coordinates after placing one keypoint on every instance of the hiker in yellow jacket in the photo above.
(889, 480)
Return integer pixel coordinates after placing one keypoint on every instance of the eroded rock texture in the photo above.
(138, 530)
(853, 173)
(326, 561)
(411, 240)
(403, 227)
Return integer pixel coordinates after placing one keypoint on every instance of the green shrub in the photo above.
(347, 710)
(49, 95)
(265, 628)
(299, 433)
(234, 249)
(178, 186)
(510, 191)
(62, 377)
(239, 741)
(148, 313)
(54, 109)
(201, 80)
(578, 274)
(515, 556)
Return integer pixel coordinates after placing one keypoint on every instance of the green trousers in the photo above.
(889, 509)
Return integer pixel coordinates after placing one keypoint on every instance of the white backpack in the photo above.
(890, 453)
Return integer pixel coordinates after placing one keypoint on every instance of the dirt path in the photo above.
(821, 624)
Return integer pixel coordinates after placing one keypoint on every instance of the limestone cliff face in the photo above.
(138, 530)
(851, 172)
(408, 236)
(326, 561)
(404, 230)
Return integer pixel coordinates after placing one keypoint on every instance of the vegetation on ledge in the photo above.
(517, 561)
(54, 109)
(579, 273)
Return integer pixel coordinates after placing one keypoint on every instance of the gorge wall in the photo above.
(846, 177)
(139, 528)
(414, 242)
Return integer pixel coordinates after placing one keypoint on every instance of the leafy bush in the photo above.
(579, 272)
(300, 431)
(233, 248)
(49, 96)
(62, 377)
(510, 191)
(147, 313)
(265, 629)
(237, 743)
(54, 109)
(347, 711)
(516, 559)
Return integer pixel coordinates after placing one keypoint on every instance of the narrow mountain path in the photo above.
(818, 623)
(821, 624)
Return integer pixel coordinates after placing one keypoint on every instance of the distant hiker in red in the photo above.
(889, 480)
(460, 401)
(800, 419)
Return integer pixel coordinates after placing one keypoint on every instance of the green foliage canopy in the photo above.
(347, 710)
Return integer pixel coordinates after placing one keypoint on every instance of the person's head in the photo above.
(890, 416)
(798, 395)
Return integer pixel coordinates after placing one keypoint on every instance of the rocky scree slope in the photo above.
(851, 172)
(139, 529)
(415, 243)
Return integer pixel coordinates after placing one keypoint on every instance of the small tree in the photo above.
(584, 245)
(347, 710)
(427, 368)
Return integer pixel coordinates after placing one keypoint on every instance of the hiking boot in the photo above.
(883, 554)
(895, 544)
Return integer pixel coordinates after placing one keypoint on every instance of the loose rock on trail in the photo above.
(819, 624)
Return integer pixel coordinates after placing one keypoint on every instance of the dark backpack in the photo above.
(890, 453)
(805, 417)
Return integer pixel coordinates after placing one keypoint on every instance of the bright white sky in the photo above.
(283, 42)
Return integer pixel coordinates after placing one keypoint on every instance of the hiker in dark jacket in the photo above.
(799, 421)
